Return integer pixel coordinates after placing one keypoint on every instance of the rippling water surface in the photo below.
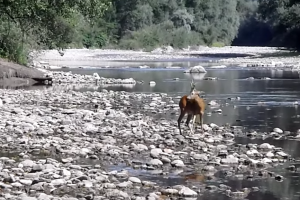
(263, 105)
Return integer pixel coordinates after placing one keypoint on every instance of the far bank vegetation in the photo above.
(145, 24)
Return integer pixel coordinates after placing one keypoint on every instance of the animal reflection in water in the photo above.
(164, 197)
(196, 177)
(192, 105)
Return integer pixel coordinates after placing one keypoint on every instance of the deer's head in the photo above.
(193, 89)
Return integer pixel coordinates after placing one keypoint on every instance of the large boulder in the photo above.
(196, 69)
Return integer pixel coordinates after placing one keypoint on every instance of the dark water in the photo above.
(277, 110)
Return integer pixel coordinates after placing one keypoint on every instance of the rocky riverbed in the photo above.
(69, 77)
(58, 144)
(228, 55)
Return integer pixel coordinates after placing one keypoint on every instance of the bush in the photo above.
(163, 34)
(12, 46)
(130, 44)
(218, 44)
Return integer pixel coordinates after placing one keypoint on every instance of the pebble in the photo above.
(155, 152)
(177, 163)
(134, 180)
(230, 159)
(265, 146)
(169, 191)
(278, 130)
(187, 192)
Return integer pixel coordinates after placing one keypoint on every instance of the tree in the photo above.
(215, 20)
(284, 17)
(49, 22)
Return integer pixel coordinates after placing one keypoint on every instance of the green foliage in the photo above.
(92, 39)
(247, 9)
(216, 21)
(284, 17)
(217, 44)
(160, 35)
(11, 42)
(50, 23)
(143, 16)
(170, 22)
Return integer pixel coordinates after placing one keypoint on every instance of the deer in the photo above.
(192, 105)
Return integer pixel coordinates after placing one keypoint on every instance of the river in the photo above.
(258, 104)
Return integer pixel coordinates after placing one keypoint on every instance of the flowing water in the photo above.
(263, 104)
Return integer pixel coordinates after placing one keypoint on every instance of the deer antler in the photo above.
(192, 85)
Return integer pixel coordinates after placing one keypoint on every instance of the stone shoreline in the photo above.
(69, 77)
(51, 131)
(258, 56)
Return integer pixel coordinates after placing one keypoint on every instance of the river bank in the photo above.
(10, 69)
(248, 56)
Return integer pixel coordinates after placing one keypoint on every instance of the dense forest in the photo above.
(145, 24)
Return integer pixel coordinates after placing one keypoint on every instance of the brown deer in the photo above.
(194, 106)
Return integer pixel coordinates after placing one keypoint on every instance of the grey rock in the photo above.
(155, 162)
(185, 191)
(58, 182)
(278, 130)
(25, 181)
(134, 180)
(177, 163)
(125, 184)
(25, 197)
(169, 191)
(43, 196)
(155, 152)
(115, 193)
(27, 163)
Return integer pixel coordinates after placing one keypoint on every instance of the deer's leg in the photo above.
(188, 119)
(192, 128)
(182, 113)
(201, 119)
